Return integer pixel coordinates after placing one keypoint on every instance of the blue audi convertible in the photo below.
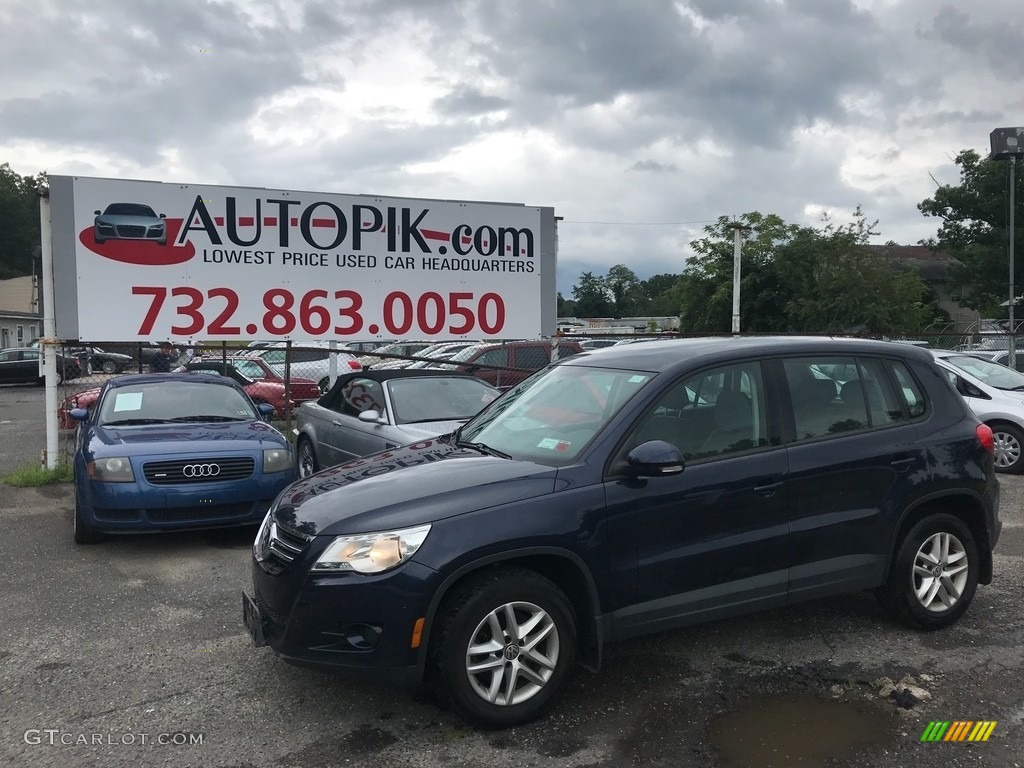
(162, 452)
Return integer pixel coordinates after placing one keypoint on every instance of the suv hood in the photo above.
(419, 483)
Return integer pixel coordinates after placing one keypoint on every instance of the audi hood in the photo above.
(181, 438)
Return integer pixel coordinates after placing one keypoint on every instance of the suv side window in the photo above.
(835, 395)
(713, 413)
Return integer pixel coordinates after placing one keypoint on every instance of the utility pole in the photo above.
(1012, 361)
(737, 239)
(1007, 144)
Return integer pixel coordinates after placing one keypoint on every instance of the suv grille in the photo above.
(199, 470)
(280, 546)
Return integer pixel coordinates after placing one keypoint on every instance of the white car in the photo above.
(996, 395)
(310, 360)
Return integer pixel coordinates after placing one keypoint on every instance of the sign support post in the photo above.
(48, 344)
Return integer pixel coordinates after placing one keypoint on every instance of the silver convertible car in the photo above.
(370, 411)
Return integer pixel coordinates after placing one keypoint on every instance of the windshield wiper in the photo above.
(132, 422)
(208, 418)
(482, 447)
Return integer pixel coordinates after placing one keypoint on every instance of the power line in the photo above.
(641, 223)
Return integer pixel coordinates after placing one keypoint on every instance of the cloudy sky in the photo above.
(639, 121)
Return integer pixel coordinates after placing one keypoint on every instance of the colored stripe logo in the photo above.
(959, 730)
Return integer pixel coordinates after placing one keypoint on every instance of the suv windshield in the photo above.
(552, 416)
(987, 372)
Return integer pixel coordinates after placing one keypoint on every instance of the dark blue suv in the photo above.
(631, 490)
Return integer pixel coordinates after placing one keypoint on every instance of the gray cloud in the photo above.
(469, 101)
(653, 166)
(719, 106)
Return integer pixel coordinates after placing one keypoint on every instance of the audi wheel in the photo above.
(85, 533)
(505, 647)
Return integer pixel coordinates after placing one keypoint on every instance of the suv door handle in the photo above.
(902, 464)
(768, 489)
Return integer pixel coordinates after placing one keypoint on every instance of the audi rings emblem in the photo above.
(201, 470)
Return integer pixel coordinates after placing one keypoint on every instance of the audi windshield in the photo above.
(186, 401)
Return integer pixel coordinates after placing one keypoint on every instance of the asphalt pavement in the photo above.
(132, 652)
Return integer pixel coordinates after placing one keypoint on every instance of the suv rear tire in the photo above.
(935, 573)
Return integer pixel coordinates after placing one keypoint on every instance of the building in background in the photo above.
(21, 312)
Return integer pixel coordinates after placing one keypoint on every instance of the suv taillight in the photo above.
(985, 438)
(355, 365)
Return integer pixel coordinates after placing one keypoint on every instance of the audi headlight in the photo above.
(371, 552)
(277, 459)
(113, 470)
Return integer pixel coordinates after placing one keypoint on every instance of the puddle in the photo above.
(796, 731)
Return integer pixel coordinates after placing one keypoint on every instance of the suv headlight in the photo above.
(113, 470)
(371, 552)
(277, 459)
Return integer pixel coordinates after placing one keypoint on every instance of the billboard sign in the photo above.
(140, 260)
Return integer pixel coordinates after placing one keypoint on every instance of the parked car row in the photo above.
(501, 364)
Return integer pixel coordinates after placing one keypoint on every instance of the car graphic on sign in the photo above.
(129, 221)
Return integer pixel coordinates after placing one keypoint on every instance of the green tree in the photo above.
(593, 299)
(19, 221)
(836, 284)
(975, 229)
(659, 295)
(624, 286)
(566, 307)
(798, 279)
(704, 291)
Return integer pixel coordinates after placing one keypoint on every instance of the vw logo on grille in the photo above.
(201, 470)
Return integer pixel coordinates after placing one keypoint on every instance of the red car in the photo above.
(257, 378)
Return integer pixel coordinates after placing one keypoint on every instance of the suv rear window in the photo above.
(909, 389)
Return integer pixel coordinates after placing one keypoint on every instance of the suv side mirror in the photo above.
(654, 459)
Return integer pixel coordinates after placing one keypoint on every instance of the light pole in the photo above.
(1008, 143)
(737, 238)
